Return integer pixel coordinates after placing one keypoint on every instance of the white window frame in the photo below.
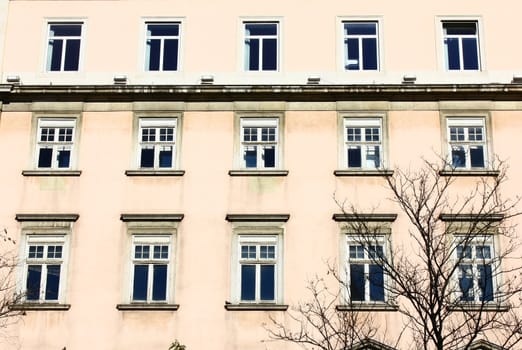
(151, 241)
(157, 145)
(363, 124)
(466, 123)
(162, 39)
(474, 261)
(48, 52)
(56, 145)
(360, 37)
(245, 57)
(374, 239)
(259, 123)
(460, 37)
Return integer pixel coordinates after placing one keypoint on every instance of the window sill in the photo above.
(51, 172)
(144, 172)
(256, 307)
(40, 306)
(147, 307)
(368, 307)
(470, 172)
(377, 172)
(258, 172)
(474, 307)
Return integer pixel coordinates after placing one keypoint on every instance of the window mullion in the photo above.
(161, 53)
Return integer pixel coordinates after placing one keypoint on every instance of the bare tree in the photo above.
(456, 279)
(9, 296)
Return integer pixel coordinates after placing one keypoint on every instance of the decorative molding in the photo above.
(471, 217)
(256, 307)
(51, 172)
(365, 217)
(141, 172)
(147, 307)
(257, 217)
(47, 217)
(346, 172)
(40, 307)
(151, 217)
(258, 172)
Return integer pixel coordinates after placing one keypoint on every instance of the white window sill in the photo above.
(40, 306)
(361, 172)
(256, 307)
(48, 172)
(479, 307)
(469, 172)
(147, 307)
(369, 306)
(154, 172)
(258, 172)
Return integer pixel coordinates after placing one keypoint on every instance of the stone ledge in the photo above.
(151, 217)
(365, 217)
(492, 173)
(368, 307)
(346, 172)
(479, 307)
(258, 172)
(140, 172)
(256, 307)
(147, 307)
(47, 217)
(257, 217)
(40, 307)
(51, 172)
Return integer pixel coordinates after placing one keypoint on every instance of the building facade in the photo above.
(173, 170)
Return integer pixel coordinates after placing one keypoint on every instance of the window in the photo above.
(63, 52)
(257, 255)
(366, 274)
(151, 254)
(361, 48)
(157, 143)
(162, 46)
(259, 143)
(461, 45)
(45, 255)
(55, 143)
(363, 143)
(467, 142)
(150, 260)
(475, 268)
(261, 46)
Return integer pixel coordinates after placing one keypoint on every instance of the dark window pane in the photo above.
(159, 283)
(267, 282)
(251, 157)
(52, 285)
(458, 157)
(55, 46)
(466, 282)
(360, 28)
(170, 54)
(452, 51)
(34, 275)
(248, 282)
(147, 158)
(369, 54)
(64, 158)
(165, 159)
(485, 282)
(165, 29)
(45, 157)
(270, 54)
(457, 28)
(476, 155)
(252, 52)
(153, 53)
(352, 48)
(65, 30)
(141, 277)
(373, 157)
(354, 157)
(261, 29)
(376, 283)
(470, 53)
(269, 157)
(72, 55)
(356, 282)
